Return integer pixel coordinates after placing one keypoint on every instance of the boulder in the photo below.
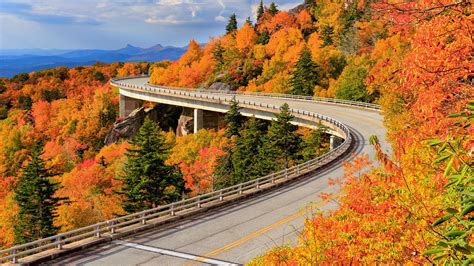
(220, 86)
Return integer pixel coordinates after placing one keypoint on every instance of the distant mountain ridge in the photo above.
(14, 61)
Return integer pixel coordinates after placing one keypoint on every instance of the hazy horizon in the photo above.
(109, 25)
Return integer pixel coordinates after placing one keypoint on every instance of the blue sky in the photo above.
(111, 24)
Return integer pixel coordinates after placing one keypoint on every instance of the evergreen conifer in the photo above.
(248, 21)
(248, 152)
(305, 74)
(283, 141)
(232, 25)
(273, 9)
(34, 194)
(260, 11)
(233, 119)
(312, 146)
(148, 181)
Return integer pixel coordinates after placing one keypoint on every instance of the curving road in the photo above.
(238, 232)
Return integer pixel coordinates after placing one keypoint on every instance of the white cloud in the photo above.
(220, 18)
(170, 2)
(221, 3)
(168, 20)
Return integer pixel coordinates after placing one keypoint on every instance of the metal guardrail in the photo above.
(109, 228)
(364, 105)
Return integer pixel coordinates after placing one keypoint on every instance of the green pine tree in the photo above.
(327, 33)
(232, 25)
(148, 181)
(249, 22)
(312, 146)
(273, 9)
(233, 119)
(263, 37)
(218, 55)
(260, 11)
(267, 158)
(305, 75)
(224, 170)
(34, 194)
(248, 152)
(283, 142)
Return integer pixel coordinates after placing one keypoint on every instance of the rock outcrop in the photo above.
(127, 127)
(220, 86)
(296, 10)
(166, 116)
(185, 123)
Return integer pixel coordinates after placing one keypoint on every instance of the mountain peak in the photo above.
(129, 49)
(156, 47)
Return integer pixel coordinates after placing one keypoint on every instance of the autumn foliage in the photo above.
(262, 57)
(69, 112)
(390, 213)
(414, 58)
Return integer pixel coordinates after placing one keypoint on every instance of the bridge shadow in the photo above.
(108, 249)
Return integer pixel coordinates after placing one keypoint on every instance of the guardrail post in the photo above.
(221, 198)
(199, 203)
(286, 173)
(111, 229)
(298, 169)
(14, 259)
(143, 221)
(172, 210)
(59, 244)
(240, 190)
(258, 183)
(97, 231)
(273, 178)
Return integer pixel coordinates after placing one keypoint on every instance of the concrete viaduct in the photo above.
(228, 227)
(131, 99)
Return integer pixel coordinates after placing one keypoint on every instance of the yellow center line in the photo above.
(262, 231)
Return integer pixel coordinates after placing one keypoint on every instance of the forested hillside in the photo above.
(321, 48)
(68, 113)
(52, 129)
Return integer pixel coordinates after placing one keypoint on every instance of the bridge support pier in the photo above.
(127, 105)
(198, 120)
(334, 142)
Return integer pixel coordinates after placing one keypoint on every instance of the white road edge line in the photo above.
(174, 253)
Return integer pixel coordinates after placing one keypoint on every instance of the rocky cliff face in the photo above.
(296, 10)
(127, 127)
(166, 116)
(185, 123)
